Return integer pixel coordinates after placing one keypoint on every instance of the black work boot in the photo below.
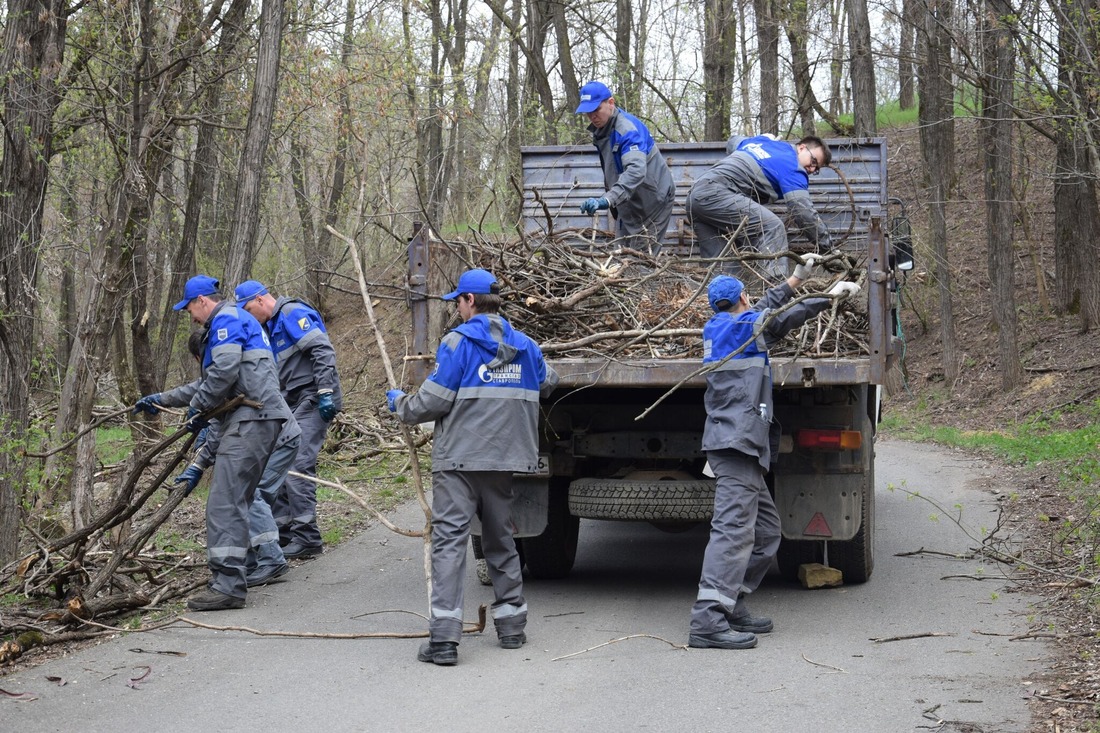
(439, 652)
(513, 641)
(212, 600)
(742, 620)
(728, 639)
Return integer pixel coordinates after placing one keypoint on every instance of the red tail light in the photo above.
(829, 439)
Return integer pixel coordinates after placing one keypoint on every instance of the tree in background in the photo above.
(31, 64)
(998, 90)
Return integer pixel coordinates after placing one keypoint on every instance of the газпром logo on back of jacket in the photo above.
(503, 373)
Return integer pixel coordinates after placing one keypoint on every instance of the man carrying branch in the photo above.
(737, 438)
(484, 399)
(237, 360)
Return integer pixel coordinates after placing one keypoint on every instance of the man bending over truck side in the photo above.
(745, 530)
(730, 199)
(484, 399)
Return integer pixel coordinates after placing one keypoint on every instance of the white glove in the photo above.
(844, 288)
(804, 270)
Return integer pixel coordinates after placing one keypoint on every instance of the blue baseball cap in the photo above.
(474, 281)
(248, 290)
(196, 286)
(593, 95)
(724, 288)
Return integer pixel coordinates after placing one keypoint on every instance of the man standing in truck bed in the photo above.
(745, 530)
(640, 190)
(730, 199)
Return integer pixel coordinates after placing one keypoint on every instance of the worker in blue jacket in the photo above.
(237, 361)
(484, 398)
(730, 199)
(640, 190)
(311, 385)
(265, 562)
(745, 529)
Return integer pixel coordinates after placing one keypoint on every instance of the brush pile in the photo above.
(579, 296)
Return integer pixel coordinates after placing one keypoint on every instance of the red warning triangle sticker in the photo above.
(818, 527)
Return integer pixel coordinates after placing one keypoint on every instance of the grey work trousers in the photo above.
(456, 497)
(242, 456)
(265, 551)
(295, 505)
(646, 235)
(718, 212)
(744, 537)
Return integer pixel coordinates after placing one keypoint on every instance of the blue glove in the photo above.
(326, 406)
(190, 478)
(200, 439)
(391, 398)
(195, 423)
(591, 206)
(148, 404)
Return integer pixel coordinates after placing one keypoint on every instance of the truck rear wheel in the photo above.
(856, 557)
(552, 553)
(649, 501)
(794, 553)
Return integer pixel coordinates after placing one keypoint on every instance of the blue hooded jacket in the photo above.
(483, 397)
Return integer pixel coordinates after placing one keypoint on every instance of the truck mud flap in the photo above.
(648, 501)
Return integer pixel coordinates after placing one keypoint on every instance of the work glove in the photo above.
(391, 398)
(591, 206)
(844, 288)
(805, 269)
(200, 439)
(148, 404)
(189, 478)
(326, 406)
(195, 422)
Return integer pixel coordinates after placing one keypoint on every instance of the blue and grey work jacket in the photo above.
(767, 171)
(484, 398)
(306, 358)
(738, 398)
(635, 174)
(237, 360)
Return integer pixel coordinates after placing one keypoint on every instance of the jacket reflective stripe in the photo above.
(735, 364)
(508, 393)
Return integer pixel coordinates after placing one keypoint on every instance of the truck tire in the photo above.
(649, 501)
(481, 567)
(552, 553)
(794, 553)
(856, 557)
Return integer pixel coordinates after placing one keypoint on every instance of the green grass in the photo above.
(113, 444)
(1074, 453)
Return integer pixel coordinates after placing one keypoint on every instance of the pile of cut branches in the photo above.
(74, 584)
(578, 296)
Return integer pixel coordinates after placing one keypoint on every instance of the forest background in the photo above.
(144, 142)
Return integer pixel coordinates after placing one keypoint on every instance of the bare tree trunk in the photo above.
(838, 29)
(746, 64)
(910, 16)
(1076, 216)
(719, 56)
(319, 259)
(625, 92)
(201, 182)
(767, 26)
(937, 148)
(999, 58)
(250, 172)
(805, 98)
(30, 62)
(565, 61)
(863, 69)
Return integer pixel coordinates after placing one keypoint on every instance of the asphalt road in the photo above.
(819, 671)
